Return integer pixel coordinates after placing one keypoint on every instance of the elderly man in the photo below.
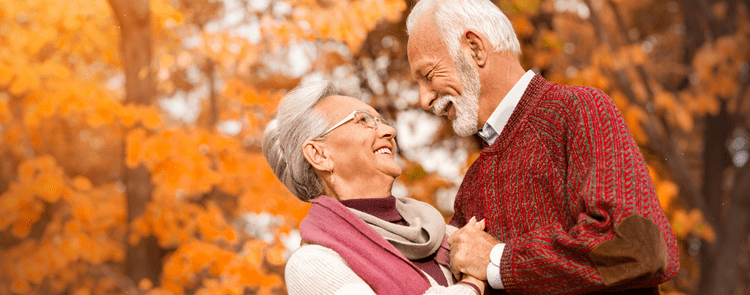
(566, 196)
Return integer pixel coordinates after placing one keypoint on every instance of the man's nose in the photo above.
(427, 97)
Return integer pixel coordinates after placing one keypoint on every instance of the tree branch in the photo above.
(657, 130)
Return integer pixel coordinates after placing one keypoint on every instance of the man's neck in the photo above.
(497, 78)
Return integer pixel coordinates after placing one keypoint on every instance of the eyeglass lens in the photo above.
(368, 120)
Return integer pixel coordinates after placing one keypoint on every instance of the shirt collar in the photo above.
(496, 122)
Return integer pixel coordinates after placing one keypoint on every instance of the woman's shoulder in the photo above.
(314, 251)
(311, 256)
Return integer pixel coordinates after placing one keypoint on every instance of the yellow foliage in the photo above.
(634, 116)
(145, 284)
(20, 286)
(665, 100)
(163, 11)
(134, 147)
(6, 74)
(276, 255)
(550, 40)
(666, 191)
(82, 291)
(602, 57)
(691, 223)
(26, 79)
(82, 183)
(683, 119)
(636, 54)
(345, 21)
(593, 77)
(621, 101)
(528, 6)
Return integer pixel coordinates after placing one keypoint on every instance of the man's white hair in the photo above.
(454, 17)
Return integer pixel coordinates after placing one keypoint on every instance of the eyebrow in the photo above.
(417, 73)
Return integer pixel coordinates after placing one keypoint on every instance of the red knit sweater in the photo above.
(563, 174)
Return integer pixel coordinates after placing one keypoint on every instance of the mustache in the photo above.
(440, 105)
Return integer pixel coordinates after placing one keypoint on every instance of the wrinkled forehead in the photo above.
(423, 30)
(338, 107)
(424, 44)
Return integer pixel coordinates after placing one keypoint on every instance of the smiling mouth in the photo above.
(384, 151)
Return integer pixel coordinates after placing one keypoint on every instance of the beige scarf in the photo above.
(422, 236)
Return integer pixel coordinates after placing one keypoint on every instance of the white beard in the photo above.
(466, 105)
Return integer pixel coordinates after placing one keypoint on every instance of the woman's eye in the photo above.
(428, 77)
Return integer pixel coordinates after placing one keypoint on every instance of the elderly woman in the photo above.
(338, 153)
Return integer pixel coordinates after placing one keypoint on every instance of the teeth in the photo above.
(383, 151)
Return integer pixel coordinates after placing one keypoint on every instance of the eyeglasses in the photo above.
(360, 116)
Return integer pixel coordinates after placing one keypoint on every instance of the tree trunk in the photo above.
(134, 17)
(715, 162)
(725, 276)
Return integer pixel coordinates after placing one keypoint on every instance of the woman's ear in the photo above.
(315, 154)
(477, 46)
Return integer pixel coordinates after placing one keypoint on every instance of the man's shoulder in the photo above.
(570, 92)
(574, 99)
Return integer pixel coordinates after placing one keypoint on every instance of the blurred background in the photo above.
(130, 130)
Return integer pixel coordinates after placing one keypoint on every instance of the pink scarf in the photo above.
(387, 271)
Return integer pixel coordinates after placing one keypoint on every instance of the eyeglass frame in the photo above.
(361, 122)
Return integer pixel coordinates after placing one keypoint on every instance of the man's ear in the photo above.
(477, 46)
(315, 154)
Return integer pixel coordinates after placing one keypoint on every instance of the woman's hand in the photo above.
(470, 250)
(482, 285)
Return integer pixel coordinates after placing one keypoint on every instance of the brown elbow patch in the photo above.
(635, 257)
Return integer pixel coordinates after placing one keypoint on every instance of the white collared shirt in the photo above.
(496, 122)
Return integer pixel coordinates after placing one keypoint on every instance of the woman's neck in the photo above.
(360, 190)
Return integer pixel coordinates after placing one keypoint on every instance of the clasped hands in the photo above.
(470, 251)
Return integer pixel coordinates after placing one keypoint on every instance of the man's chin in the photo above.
(463, 131)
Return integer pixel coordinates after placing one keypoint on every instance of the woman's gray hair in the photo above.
(295, 122)
(454, 17)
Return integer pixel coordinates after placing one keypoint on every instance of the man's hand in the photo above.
(470, 250)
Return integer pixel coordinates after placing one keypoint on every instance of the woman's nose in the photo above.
(386, 131)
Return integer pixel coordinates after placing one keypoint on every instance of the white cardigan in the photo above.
(315, 269)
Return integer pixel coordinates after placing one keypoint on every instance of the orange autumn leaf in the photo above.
(528, 6)
(6, 74)
(683, 119)
(49, 187)
(19, 286)
(25, 80)
(145, 284)
(82, 183)
(150, 118)
(666, 191)
(22, 227)
(680, 223)
(634, 116)
(128, 116)
(276, 255)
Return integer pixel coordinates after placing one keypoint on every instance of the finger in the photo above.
(456, 272)
(452, 239)
(481, 224)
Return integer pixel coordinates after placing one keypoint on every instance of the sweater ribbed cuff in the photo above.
(506, 267)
